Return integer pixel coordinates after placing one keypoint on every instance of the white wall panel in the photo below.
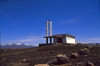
(70, 40)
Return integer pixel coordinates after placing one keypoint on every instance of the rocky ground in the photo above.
(69, 55)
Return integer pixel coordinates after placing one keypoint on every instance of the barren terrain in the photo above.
(44, 54)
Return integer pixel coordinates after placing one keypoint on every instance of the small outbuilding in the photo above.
(60, 38)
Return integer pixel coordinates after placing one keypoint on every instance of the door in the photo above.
(59, 40)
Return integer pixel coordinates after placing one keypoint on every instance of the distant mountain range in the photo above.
(13, 45)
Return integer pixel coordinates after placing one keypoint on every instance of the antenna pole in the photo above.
(50, 28)
(47, 28)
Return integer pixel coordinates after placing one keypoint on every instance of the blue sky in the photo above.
(24, 20)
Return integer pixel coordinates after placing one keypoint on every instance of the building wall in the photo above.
(70, 40)
(64, 40)
(55, 40)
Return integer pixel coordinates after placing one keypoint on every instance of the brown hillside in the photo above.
(44, 54)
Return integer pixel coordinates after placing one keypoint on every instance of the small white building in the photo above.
(61, 38)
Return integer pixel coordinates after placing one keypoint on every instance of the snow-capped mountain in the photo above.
(16, 45)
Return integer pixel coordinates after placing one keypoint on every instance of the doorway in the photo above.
(59, 40)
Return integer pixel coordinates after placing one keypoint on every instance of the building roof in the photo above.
(60, 35)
